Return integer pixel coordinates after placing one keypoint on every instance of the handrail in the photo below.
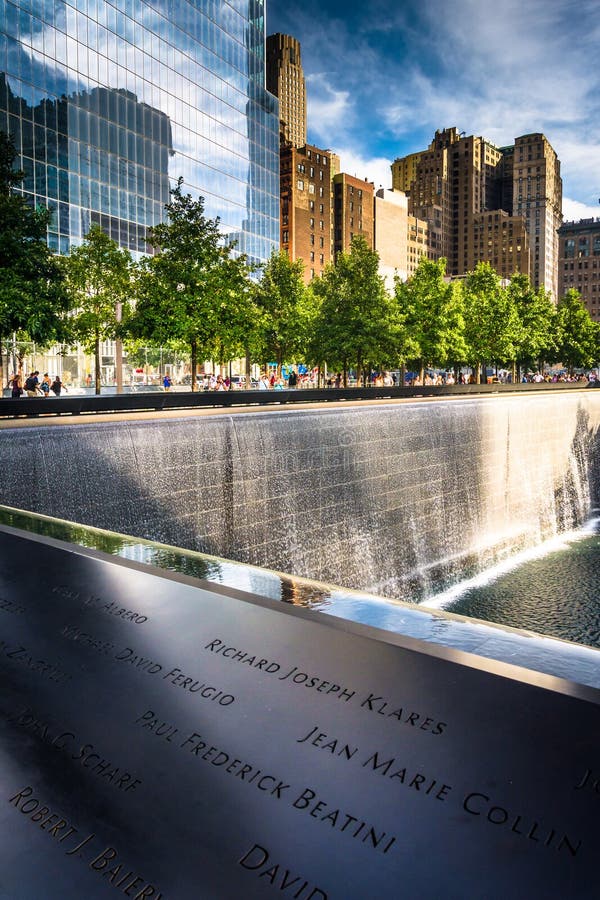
(172, 400)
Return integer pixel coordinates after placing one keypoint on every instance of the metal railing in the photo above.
(156, 401)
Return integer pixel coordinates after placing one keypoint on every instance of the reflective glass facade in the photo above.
(110, 102)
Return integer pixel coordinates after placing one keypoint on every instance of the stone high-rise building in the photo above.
(579, 262)
(391, 234)
(537, 197)
(460, 181)
(285, 79)
(502, 241)
(400, 240)
(306, 214)
(352, 211)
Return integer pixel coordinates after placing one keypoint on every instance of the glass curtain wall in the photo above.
(110, 103)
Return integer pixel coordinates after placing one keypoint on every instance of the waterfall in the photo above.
(397, 499)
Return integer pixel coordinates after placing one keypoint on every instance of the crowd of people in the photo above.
(34, 386)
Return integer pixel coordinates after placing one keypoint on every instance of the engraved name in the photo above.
(340, 820)
(106, 606)
(388, 767)
(257, 860)
(43, 667)
(176, 677)
(487, 810)
(120, 876)
(53, 823)
(404, 715)
(270, 667)
(589, 781)
(11, 607)
(86, 755)
(74, 633)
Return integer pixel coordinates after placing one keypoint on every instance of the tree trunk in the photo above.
(248, 370)
(478, 373)
(2, 366)
(194, 349)
(97, 363)
(402, 374)
(514, 372)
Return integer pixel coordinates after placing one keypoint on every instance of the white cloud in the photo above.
(391, 74)
(573, 210)
(373, 169)
(329, 110)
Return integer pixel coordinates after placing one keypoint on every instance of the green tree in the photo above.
(193, 289)
(99, 278)
(431, 311)
(280, 296)
(576, 334)
(492, 326)
(355, 322)
(33, 299)
(536, 313)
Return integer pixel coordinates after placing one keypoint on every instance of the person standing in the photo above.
(57, 386)
(45, 385)
(167, 382)
(15, 385)
(32, 384)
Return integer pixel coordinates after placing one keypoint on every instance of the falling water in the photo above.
(401, 500)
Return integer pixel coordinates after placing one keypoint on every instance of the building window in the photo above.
(312, 223)
(286, 237)
(321, 224)
(312, 240)
(300, 185)
(312, 255)
(311, 188)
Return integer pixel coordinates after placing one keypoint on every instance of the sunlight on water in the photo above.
(447, 598)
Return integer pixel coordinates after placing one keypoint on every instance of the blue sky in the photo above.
(382, 76)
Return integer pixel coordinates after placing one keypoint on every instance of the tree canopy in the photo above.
(431, 310)
(193, 289)
(281, 298)
(33, 299)
(576, 334)
(354, 325)
(98, 275)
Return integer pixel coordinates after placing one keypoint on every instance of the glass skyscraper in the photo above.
(110, 101)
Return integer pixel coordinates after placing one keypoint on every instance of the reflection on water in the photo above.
(553, 593)
(276, 586)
